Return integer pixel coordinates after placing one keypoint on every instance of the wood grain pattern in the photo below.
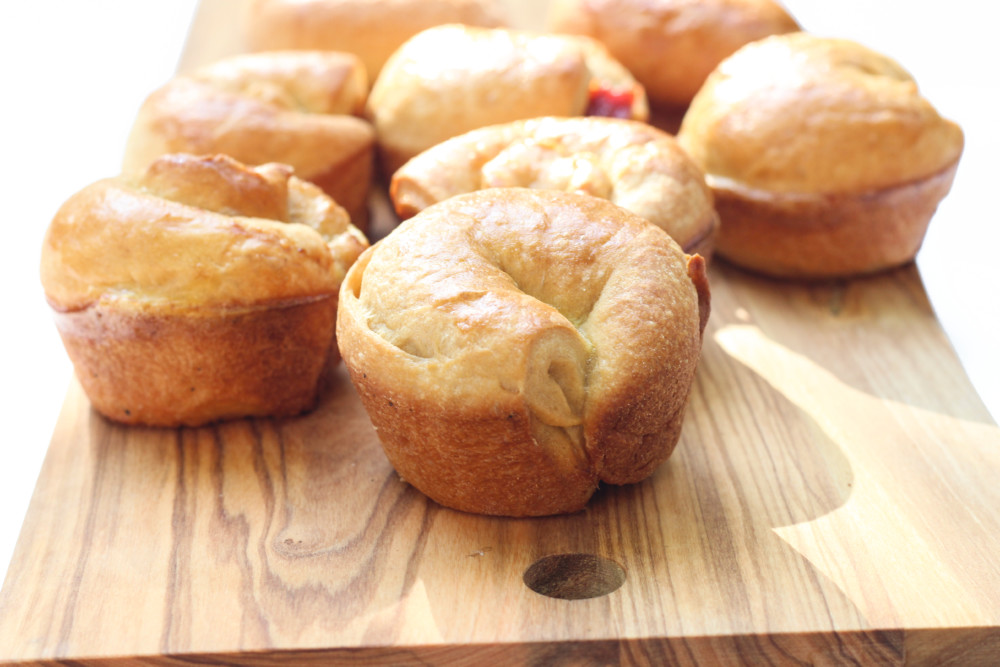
(833, 500)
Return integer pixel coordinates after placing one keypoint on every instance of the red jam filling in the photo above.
(609, 102)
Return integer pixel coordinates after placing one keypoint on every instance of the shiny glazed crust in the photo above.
(514, 347)
(202, 290)
(630, 163)
(824, 158)
(799, 113)
(299, 108)
(451, 79)
(370, 30)
(671, 46)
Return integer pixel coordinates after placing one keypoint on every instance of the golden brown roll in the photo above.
(370, 30)
(202, 290)
(630, 163)
(671, 46)
(295, 108)
(451, 79)
(824, 158)
(515, 347)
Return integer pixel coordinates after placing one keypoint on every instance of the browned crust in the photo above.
(486, 468)
(158, 367)
(189, 232)
(630, 163)
(461, 422)
(348, 183)
(640, 429)
(199, 114)
(488, 472)
(334, 152)
(826, 236)
(421, 98)
(807, 115)
(671, 46)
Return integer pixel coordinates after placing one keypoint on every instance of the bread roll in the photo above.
(671, 46)
(516, 347)
(202, 290)
(370, 30)
(824, 158)
(630, 163)
(295, 108)
(451, 79)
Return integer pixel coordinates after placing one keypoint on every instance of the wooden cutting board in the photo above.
(834, 499)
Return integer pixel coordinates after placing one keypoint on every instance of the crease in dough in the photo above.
(554, 379)
(574, 328)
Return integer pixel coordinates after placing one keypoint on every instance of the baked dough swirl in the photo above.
(202, 290)
(300, 108)
(630, 163)
(514, 347)
(453, 78)
(824, 157)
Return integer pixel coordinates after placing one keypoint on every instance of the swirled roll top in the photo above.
(801, 113)
(298, 108)
(824, 158)
(198, 232)
(632, 164)
(317, 82)
(513, 347)
(454, 78)
(202, 289)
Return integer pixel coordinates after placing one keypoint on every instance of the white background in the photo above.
(74, 73)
